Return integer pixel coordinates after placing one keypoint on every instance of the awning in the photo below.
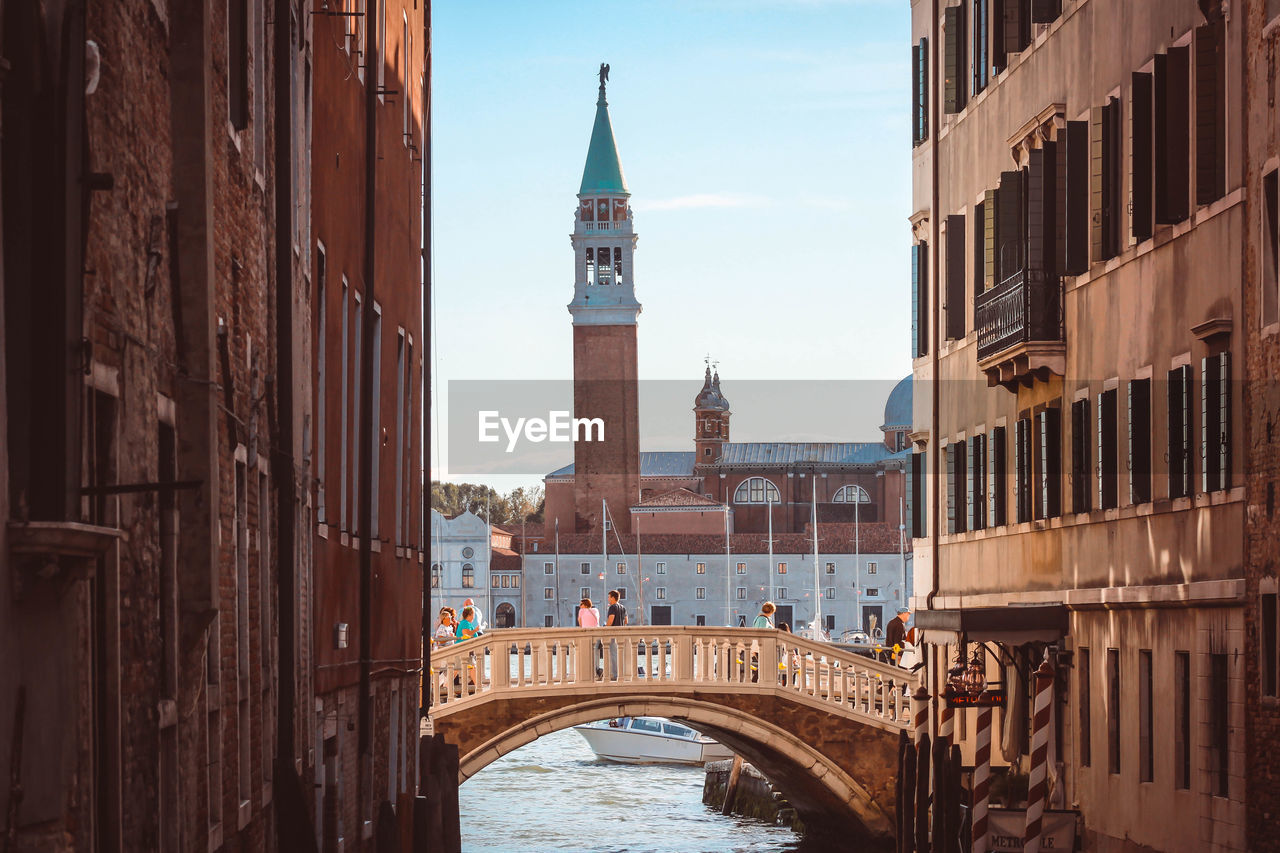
(1014, 624)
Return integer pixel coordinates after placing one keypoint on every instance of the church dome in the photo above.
(710, 397)
(897, 409)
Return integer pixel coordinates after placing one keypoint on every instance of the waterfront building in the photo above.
(1079, 203)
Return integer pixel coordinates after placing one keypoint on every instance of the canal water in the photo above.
(555, 795)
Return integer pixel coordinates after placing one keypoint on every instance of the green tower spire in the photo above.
(603, 172)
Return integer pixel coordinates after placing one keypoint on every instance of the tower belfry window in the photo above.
(604, 266)
(617, 264)
(591, 266)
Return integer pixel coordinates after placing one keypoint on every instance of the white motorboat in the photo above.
(650, 740)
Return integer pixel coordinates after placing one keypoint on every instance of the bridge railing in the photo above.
(627, 659)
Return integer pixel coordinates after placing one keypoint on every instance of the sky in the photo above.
(765, 145)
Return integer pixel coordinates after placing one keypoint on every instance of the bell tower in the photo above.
(710, 420)
(604, 310)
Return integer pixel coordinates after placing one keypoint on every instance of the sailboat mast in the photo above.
(817, 590)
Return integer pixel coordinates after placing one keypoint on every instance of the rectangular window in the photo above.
(916, 495)
(1108, 447)
(782, 592)
(997, 474)
(1113, 710)
(1015, 27)
(406, 98)
(700, 568)
(954, 64)
(831, 568)
(871, 567)
(1146, 718)
(742, 568)
(584, 592)
(981, 38)
(1139, 441)
(1179, 431)
(1085, 702)
(957, 489)
(919, 300)
(742, 593)
(920, 92)
(238, 63)
(782, 568)
(1268, 652)
(977, 479)
(1104, 181)
(548, 568)
(660, 593)
(548, 593)
(1211, 117)
(548, 621)
(1081, 443)
(622, 593)
(1078, 176)
(1022, 469)
(1270, 266)
(1172, 132)
(1215, 422)
(873, 592)
(1182, 721)
(1049, 438)
(660, 568)
(620, 568)
(495, 581)
(515, 581)
(1010, 234)
(700, 593)
(586, 568)
(322, 388)
(700, 620)
(1219, 726)
(955, 306)
(829, 593)
(1141, 165)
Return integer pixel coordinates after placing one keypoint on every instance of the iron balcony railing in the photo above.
(1024, 307)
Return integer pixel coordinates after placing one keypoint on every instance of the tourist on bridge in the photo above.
(588, 615)
(481, 625)
(616, 618)
(467, 627)
(446, 629)
(895, 637)
(765, 618)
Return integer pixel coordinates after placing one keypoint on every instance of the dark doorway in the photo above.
(660, 614)
(784, 614)
(504, 616)
(873, 616)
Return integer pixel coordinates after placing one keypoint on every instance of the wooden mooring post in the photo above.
(731, 788)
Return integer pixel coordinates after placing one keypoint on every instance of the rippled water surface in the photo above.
(554, 794)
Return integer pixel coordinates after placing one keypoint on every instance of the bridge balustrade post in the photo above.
(682, 665)
(584, 653)
(768, 663)
(500, 666)
(537, 655)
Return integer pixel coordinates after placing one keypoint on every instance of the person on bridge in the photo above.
(467, 627)
(896, 635)
(588, 616)
(481, 625)
(616, 618)
(765, 618)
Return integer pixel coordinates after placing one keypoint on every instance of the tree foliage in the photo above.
(451, 499)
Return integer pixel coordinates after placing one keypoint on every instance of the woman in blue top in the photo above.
(467, 628)
(765, 619)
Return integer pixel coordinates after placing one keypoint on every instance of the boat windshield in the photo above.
(642, 725)
(678, 731)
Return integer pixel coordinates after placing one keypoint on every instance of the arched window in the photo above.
(851, 494)
(436, 571)
(756, 490)
(468, 575)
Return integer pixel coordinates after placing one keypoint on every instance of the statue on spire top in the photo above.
(604, 74)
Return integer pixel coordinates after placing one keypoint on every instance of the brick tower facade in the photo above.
(710, 421)
(604, 309)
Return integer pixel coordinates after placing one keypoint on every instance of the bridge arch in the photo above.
(814, 783)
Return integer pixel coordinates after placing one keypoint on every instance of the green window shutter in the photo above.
(997, 486)
(989, 204)
(1140, 151)
(1078, 186)
(956, 301)
(1172, 135)
(954, 64)
(1097, 199)
(915, 94)
(915, 301)
(951, 488)
(1210, 113)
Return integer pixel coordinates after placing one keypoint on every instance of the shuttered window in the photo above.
(981, 38)
(916, 495)
(997, 486)
(955, 278)
(919, 300)
(954, 63)
(1178, 413)
(1022, 468)
(1016, 21)
(1269, 294)
(1077, 198)
(1049, 473)
(1104, 180)
(977, 482)
(1008, 230)
(1172, 135)
(1142, 210)
(1045, 11)
(1139, 458)
(1108, 480)
(1039, 180)
(1215, 422)
(1211, 118)
(1081, 444)
(957, 488)
(920, 92)
(988, 240)
(979, 245)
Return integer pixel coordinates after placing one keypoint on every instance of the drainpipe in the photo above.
(935, 228)
(425, 334)
(368, 440)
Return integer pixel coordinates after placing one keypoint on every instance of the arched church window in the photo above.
(756, 490)
(851, 494)
(468, 575)
(436, 572)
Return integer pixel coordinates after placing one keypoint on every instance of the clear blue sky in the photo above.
(765, 144)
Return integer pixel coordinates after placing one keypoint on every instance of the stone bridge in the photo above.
(821, 722)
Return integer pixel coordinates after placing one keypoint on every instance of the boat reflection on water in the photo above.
(650, 740)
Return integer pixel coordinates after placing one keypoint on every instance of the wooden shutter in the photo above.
(915, 94)
(1022, 469)
(979, 247)
(1097, 199)
(1080, 444)
(951, 488)
(913, 467)
(1210, 113)
(956, 303)
(1045, 11)
(997, 487)
(1079, 186)
(922, 91)
(989, 204)
(1011, 32)
(1178, 421)
(917, 494)
(1111, 178)
(1140, 150)
(977, 503)
(1108, 479)
(1172, 132)
(1050, 459)
(919, 299)
(981, 25)
(1040, 224)
(953, 63)
(1139, 459)
(1008, 226)
(1215, 424)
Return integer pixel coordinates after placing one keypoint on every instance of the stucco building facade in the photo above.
(1078, 331)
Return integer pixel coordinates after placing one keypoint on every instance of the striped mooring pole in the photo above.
(919, 714)
(982, 781)
(1037, 782)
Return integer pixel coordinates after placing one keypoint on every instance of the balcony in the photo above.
(1020, 334)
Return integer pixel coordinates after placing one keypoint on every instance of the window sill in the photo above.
(322, 530)
(215, 837)
(344, 540)
(375, 545)
(244, 813)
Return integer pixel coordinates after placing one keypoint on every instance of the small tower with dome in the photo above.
(711, 420)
